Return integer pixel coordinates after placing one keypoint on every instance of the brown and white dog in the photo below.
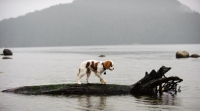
(97, 67)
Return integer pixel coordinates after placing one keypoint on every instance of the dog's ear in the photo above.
(107, 64)
(111, 64)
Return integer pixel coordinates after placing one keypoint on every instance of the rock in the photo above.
(182, 54)
(7, 52)
(6, 58)
(102, 56)
(195, 56)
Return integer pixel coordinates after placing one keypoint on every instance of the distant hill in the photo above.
(103, 22)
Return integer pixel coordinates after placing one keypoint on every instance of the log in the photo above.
(148, 85)
(76, 89)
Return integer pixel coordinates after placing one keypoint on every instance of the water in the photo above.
(58, 65)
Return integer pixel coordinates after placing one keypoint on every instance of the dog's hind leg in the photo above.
(79, 76)
(88, 75)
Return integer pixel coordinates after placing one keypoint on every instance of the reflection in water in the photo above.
(165, 102)
(165, 99)
(92, 102)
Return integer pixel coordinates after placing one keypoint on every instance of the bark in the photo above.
(150, 84)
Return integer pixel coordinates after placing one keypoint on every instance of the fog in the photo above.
(104, 22)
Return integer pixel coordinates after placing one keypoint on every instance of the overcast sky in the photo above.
(14, 8)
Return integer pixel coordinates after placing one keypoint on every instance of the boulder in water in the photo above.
(182, 54)
(195, 56)
(7, 52)
(102, 55)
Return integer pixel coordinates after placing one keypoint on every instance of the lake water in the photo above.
(59, 65)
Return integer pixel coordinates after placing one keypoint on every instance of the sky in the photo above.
(192, 4)
(15, 8)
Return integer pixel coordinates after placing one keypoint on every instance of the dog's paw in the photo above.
(101, 80)
(104, 82)
(79, 83)
(88, 82)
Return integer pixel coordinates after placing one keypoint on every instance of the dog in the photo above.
(98, 67)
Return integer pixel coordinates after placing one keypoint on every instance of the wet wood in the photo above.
(156, 82)
(60, 89)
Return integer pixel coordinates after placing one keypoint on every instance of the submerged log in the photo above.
(147, 85)
(60, 89)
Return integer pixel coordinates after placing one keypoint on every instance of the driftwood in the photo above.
(60, 89)
(150, 84)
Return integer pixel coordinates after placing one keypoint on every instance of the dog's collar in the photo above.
(104, 68)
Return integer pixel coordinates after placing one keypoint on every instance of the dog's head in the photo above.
(109, 65)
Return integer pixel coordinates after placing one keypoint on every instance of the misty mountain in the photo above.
(103, 22)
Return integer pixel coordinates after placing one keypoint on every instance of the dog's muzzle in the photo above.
(111, 69)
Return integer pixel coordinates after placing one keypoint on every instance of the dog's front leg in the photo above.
(103, 81)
